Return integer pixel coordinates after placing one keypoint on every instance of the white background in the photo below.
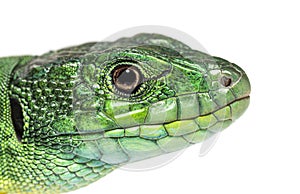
(257, 154)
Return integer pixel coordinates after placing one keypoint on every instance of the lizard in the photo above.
(71, 116)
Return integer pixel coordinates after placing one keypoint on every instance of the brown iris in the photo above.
(126, 78)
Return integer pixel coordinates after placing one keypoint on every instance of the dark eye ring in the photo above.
(226, 81)
(127, 78)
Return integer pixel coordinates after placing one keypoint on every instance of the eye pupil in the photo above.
(126, 78)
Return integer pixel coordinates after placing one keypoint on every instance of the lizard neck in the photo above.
(8, 141)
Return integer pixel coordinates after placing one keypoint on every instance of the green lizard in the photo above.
(71, 116)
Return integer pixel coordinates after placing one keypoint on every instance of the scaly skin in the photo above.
(70, 117)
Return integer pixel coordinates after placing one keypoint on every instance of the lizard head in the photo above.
(82, 111)
(153, 100)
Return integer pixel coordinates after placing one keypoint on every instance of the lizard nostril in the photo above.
(226, 81)
(17, 117)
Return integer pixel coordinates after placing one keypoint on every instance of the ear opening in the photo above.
(17, 117)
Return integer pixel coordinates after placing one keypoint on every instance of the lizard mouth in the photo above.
(159, 124)
(192, 129)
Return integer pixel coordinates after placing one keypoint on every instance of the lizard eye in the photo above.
(127, 78)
